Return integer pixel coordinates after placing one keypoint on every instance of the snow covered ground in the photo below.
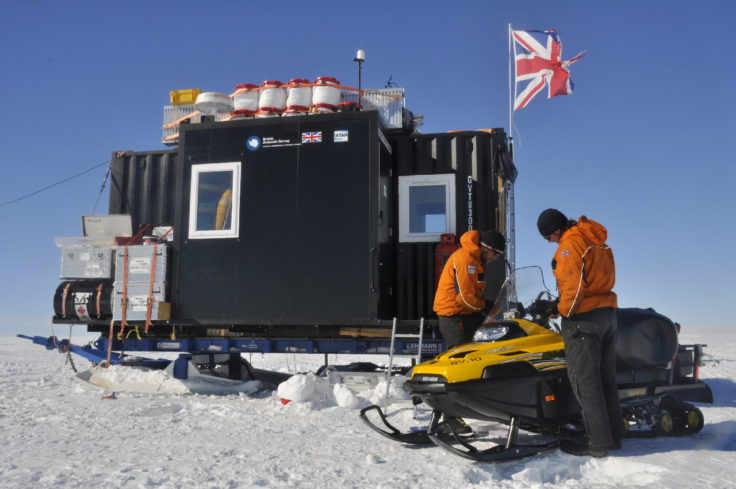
(58, 432)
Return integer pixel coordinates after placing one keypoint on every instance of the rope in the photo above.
(180, 119)
(98, 300)
(69, 358)
(102, 187)
(149, 299)
(109, 344)
(70, 361)
(124, 298)
(53, 336)
(134, 329)
(52, 185)
(63, 299)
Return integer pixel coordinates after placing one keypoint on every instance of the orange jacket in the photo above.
(584, 269)
(460, 289)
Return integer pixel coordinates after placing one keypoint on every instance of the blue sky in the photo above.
(645, 145)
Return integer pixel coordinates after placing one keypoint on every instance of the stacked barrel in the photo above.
(273, 98)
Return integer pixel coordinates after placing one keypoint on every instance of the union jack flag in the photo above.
(312, 137)
(540, 66)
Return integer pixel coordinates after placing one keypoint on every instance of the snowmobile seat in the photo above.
(645, 341)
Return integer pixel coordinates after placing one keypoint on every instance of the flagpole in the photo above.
(510, 211)
(511, 90)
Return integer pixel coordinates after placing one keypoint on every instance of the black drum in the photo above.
(83, 300)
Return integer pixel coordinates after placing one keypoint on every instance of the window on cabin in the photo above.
(214, 200)
(426, 207)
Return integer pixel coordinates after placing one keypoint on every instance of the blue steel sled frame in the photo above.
(96, 352)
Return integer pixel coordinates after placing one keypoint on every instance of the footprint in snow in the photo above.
(374, 459)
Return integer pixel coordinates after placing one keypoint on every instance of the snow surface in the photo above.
(59, 432)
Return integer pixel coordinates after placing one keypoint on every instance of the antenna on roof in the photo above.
(359, 59)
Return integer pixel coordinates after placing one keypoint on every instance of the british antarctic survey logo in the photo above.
(253, 143)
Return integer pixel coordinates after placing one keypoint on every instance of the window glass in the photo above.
(427, 209)
(214, 200)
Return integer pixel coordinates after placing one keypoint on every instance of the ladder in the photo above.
(391, 355)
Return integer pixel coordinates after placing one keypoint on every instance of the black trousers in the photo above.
(459, 329)
(590, 348)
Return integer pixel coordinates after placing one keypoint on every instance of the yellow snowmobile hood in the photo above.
(541, 349)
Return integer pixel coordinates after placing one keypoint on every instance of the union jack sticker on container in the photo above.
(311, 137)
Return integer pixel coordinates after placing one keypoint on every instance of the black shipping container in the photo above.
(311, 222)
(144, 186)
(474, 157)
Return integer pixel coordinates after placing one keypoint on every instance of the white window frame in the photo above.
(408, 181)
(197, 170)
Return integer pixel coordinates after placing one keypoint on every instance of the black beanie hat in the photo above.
(494, 239)
(550, 221)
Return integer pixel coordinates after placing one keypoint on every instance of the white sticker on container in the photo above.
(139, 265)
(341, 136)
(82, 312)
(94, 270)
(80, 304)
(139, 303)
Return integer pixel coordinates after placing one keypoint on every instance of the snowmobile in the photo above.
(514, 373)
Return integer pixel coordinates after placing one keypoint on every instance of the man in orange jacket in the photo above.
(585, 271)
(459, 301)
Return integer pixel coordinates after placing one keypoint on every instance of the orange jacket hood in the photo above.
(470, 241)
(585, 269)
(591, 231)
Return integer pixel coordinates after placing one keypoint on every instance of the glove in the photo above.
(553, 310)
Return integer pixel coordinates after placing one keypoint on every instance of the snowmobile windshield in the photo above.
(523, 287)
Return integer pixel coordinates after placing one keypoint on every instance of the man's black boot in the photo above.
(580, 449)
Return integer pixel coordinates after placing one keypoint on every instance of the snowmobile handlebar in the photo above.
(543, 308)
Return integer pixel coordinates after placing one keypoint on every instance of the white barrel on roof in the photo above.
(325, 95)
(211, 103)
(272, 100)
(298, 96)
(245, 100)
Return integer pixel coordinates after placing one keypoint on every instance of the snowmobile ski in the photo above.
(411, 438)
(499, 453)
(439, 430)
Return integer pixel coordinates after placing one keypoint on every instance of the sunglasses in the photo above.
(498, 252)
